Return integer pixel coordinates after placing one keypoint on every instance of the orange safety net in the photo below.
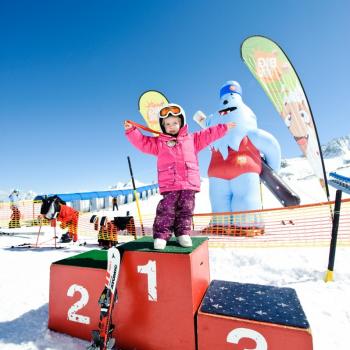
(306, 225)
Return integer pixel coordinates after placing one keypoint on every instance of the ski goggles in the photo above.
(172, 109)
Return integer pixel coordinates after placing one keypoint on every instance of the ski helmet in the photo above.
(171, 110)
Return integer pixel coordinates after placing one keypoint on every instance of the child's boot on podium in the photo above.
(184, 241)
(159, 243)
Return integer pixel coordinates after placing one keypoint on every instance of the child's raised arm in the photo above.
(146, 144)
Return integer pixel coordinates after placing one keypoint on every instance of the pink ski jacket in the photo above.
(177, 163)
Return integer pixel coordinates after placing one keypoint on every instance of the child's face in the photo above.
(172, 125)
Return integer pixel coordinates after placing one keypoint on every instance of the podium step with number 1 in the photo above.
(159, 294)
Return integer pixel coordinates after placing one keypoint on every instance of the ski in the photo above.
(15, 233)
(33, 246)
(102, 338)
(23, 245)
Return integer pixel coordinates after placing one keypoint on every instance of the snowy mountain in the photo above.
(337, 147)
(298, 168)
(29, 195)
(336, 154)
(297, 173)
(123, 185)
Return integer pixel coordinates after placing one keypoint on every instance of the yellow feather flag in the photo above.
(150, 103)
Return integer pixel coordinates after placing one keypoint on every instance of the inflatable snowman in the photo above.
(236, 159)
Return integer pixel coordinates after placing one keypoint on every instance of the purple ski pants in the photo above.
(174, 214)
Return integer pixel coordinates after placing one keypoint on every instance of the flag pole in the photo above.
(136, 199)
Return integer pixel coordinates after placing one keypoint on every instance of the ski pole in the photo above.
(261, 194)
(136, 199)
(37, 238)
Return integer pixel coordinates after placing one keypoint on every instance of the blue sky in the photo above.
(72, 71)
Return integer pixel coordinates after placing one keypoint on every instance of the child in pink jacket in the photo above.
(178, 171)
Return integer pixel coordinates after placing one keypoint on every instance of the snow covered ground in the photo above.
(24, 286)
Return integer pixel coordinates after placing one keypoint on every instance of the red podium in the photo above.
(159, 294)
(250, 316)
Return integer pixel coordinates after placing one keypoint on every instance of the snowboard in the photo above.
(286, 196)
(102, 338)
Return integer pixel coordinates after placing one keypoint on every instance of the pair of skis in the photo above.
(102, 338)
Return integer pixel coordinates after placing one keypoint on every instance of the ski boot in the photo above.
(66, 238)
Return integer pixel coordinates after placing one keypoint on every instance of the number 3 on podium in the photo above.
(237, 334)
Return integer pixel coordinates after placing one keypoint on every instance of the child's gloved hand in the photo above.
(127, 125)
(230, 125)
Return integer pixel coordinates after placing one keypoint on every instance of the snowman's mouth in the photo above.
(227, 110)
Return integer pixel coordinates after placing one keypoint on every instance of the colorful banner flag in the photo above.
(150, 103)
(273, 70)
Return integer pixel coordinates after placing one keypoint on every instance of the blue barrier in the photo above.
(340, 182)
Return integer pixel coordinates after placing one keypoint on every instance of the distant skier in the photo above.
(15, 217)
(14, 197)
(115, 203)
(178, 171)
(15, 212)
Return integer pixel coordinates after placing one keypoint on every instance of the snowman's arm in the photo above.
(268, 145)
